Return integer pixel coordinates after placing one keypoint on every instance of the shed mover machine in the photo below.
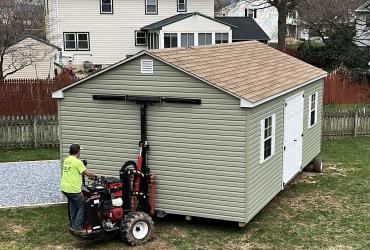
(124, 206)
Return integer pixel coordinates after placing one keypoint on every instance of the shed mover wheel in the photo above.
(137, 228)
(317, 165)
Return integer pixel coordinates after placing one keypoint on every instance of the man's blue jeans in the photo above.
(76, 210)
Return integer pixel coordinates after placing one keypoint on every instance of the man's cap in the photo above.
(74, 148)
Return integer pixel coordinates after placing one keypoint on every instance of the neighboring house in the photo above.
(257, 123)
(106, 31)
(363, 25)
(266, 18)
(245, 29)
(33, 57)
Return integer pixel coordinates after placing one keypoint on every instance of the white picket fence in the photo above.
(28, 131)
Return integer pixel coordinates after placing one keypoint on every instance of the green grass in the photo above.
(316, 211)
(346, 107)
(29, 154)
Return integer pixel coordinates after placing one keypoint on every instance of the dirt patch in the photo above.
(248, 245)
(335, 169)
(341, 248)
(156, 244)
(306, 177)
(16, 228)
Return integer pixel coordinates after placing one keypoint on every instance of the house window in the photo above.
(106, 6)
(187, 40)
(151, 7)
(267, 138)
(181, 5)
(170, 40)
(312, 112)
(140, 38)
(76, 41)
(204, 38)
(222, 38)
(251, 13)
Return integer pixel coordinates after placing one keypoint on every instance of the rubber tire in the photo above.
(127, 227)
(317, 165)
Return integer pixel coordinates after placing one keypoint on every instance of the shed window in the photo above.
(267, 138)
(140, 38)
(151, 7)
(170, 40)
(204, 38)
(187, 40)
(76, 41)
(312, 112)
(222, 38)
(181, 5)
(106, 6)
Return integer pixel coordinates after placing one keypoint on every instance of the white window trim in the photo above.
(104, 12)
(143, 69)
(146, 38)
(185, 6)
(262, 139)
(310, 110)
(151, 13)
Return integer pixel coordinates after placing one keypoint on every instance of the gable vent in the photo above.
(147, 66)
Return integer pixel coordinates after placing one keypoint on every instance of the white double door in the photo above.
(293, 136)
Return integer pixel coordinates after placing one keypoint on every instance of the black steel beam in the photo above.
(148, 99)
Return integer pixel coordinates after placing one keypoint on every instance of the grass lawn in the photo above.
(29, 154)
(316, 211)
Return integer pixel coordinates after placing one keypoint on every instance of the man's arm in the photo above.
(89, 173)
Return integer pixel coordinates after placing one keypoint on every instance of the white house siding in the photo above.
(196, 151)
(267, 18)
(362, 32)
(43, 56)
(112, 36)
(265, 180)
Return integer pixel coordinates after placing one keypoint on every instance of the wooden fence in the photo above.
(348, 123)
(339, 89)
(28, 131)
(31, 96)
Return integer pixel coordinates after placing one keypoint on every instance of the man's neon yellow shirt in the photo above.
(72, 175)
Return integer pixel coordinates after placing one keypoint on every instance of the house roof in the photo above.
(176, 18)
(364, 7)
(245, 29)
(250, 71)
(39, 40)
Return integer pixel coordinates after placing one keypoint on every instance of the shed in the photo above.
(258, 125)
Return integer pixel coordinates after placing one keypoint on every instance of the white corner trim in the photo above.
(246, 104)
(57, 94)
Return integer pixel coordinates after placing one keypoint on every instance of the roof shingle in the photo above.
(250, 70)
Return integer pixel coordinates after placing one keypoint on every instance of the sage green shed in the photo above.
(258, 125)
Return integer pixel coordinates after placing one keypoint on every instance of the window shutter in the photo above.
(147, 66)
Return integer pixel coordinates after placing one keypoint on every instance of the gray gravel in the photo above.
(30, 183)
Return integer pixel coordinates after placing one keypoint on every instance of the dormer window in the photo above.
(151, 7)
(106, 6)
(181, 5)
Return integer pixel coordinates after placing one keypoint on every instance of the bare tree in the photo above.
(19, 19)
(325, 16)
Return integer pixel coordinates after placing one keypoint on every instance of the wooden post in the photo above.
(355, 124)
(35, 131)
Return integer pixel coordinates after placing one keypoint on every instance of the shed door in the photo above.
(293, 136)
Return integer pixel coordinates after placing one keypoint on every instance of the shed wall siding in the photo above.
(196, 151)
(265, 180)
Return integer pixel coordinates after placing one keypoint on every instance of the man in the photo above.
(71, 185)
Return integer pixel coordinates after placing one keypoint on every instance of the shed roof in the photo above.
(245, 28)
(176, 18)
(364, 7)
(250, 70)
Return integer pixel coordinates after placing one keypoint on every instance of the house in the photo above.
(362, 15)
(256, 125)
(266, 17)
(245, 29)
(102, 32)
(30, 58)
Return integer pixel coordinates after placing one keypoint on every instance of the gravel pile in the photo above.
(30, 183)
